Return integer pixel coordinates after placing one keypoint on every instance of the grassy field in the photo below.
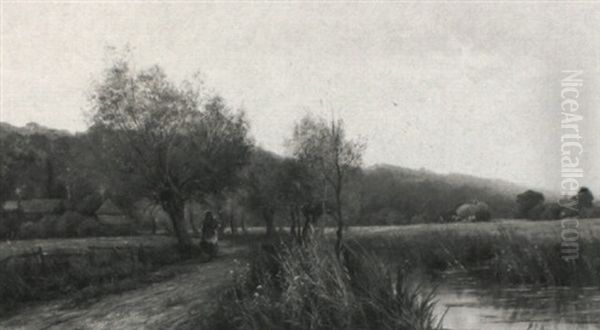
(8, 248)
(503, 252)
(33, 270)
(508, 252)
(534, 230)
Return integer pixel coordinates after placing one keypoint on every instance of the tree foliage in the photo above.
(325, 149)
(180, 144)
(527, 201)
(585, 198)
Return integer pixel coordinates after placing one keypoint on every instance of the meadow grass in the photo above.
(502, 252)
(84, 275)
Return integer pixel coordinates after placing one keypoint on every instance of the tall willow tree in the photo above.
(179, 144)
(324, 147)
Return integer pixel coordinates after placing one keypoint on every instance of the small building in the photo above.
(10, 206)
(473, 211)
(110, 214)
(34, 209)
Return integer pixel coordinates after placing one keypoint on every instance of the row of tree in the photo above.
(177, 144)
(532, 205)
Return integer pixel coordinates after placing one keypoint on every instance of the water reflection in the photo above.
(468, 304)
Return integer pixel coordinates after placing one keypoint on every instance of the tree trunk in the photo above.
(191, 219)
(297, 223)
(243, 224)
(268, 215)
(175, 208)
(232, 225)
(154, 225)
(49, 178)
(293, 223)
(306, 230)
(340, 223)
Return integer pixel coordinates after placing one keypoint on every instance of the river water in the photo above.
(467, 304)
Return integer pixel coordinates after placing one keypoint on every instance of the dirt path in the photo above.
(163, 305)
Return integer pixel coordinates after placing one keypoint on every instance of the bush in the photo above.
(551, 211)
(118, 230)
(10, 223)
(67, 224)
(309, 288)
(483, 214)
(4, 232)
(536, 212)
(590, 213)
(90, 227)
(47, 226)
(30, 230)
(89, 204)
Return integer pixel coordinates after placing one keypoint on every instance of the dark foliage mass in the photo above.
(527, 201)
(178, 142)
(38, 162)
(531, 205)
(269, 191)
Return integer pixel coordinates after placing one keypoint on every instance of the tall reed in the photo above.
(308, 287)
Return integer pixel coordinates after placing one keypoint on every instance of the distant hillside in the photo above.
(396, 195)
(30, 129)
(385, 194)
(454, 179)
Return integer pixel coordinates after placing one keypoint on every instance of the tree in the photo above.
(325, 149)
(585, 198)
(180, 144)
(261, 183)
(297, 191)
(527, 201)
(16, 156)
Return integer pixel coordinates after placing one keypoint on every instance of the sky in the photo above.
(465, 88)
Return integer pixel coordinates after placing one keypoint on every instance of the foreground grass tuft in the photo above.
(294, 287)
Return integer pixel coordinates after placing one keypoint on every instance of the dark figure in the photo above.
(210, 234)
(312, 212)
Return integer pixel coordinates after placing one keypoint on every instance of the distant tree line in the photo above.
(533, 205)
(176, 145)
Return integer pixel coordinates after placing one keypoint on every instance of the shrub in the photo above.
(483, 214)
(30, 230)
(4, 232)
(47, 226)
(118, 230)
(89, 204)
(309, 288)
(536, 212)
(10, 222)
(67, 224)
(90, 227)
(589, 213)
(551, 211)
